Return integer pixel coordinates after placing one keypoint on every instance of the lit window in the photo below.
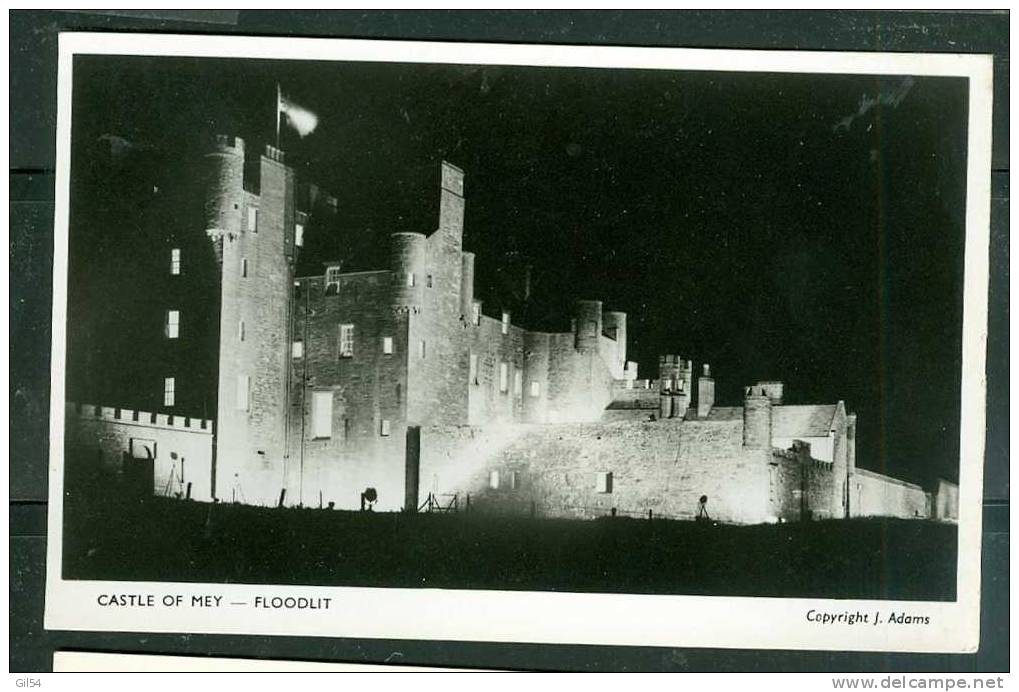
(169, 391)
(387, 345)
(333, 278)
(518, 382)
(409, 279)
(512, 480)
(252, 219)
(505, 322)
(175, 261)
(322, 414)
(476, 314)
(423, 348)
(384, 428)
(298, 349)
(473, 376)
(299, 235)
(493, 480)
(240, 330)
(172, 324)
(346, 341)
(243, 389)
(603, 482)
(503, 377)
(244, 268)
(535, 389)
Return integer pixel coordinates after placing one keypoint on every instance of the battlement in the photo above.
(274, 154)
(140, 418)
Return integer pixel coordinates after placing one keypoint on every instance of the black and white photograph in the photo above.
(496, 342)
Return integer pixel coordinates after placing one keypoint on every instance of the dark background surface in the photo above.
(574, 149)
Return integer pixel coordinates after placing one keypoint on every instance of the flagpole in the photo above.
(279, 103)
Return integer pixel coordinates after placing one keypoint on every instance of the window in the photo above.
(603, 482)
(169, 391)
(409, 280)
(493, 480)
(240, 330)
(346, 428)
(476, 313)
(175, 261)
(428, 281)
(243, 388)
(473, 375)
(535, 388)
(252, 219)
(244, 268)
(423, 348)
(384, 428)
(387, 345)
(505, 322)
(503, 377)
(512, 480)
(299, 235)
(518, 382)
(322, 415)
(333, 279)
(346, 341)
(298, 349)
(172, 324)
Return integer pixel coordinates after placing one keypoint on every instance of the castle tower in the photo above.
(705, 392)
(587, 325)
(407, 253)
(756, 418)
(225, 188)
(451, 206)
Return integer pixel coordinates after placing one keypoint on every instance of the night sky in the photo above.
(807, 228)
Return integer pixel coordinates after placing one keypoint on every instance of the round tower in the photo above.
(407, 262)
(588, 325)
(224, 190)
(756, 418)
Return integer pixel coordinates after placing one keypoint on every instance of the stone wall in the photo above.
(877, 495)
(553, 470)
(800, 486)
(180, 448)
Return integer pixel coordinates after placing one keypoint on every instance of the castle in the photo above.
(394, 390)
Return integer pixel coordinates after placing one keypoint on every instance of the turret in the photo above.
(756, 418)
(407, 262)
(705, 392)
(225, 188)
(587, 325)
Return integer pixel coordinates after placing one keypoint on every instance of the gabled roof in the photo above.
(813, 420)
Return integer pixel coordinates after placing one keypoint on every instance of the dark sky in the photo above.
(807, 228)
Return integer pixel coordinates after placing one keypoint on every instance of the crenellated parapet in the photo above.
(164, 421)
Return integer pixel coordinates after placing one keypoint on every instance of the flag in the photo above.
(301, 119)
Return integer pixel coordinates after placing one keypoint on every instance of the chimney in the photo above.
(705, 392)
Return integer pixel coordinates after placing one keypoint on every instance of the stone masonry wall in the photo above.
(877, 495)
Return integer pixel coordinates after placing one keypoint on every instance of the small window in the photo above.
(535, 388)
(333, 279)
(172, 324)
(252, 219)
(603, 482)
(476, 314)
(322, 414)
(244, 268)
(346, 428)
(493, 480)
(298, 349)
(511, 480)
(346, 341)
(384, 428)
(169, 391)
(387, 345)
(518, 382)
(299, 235)
(428, 281)
(503, 377)
(409, 280)
(473, 375)
(423, 348)
(240, 330)
(175, 261)
(243, 392)
(505, 322)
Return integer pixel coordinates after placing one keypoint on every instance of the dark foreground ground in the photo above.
(173, 540)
